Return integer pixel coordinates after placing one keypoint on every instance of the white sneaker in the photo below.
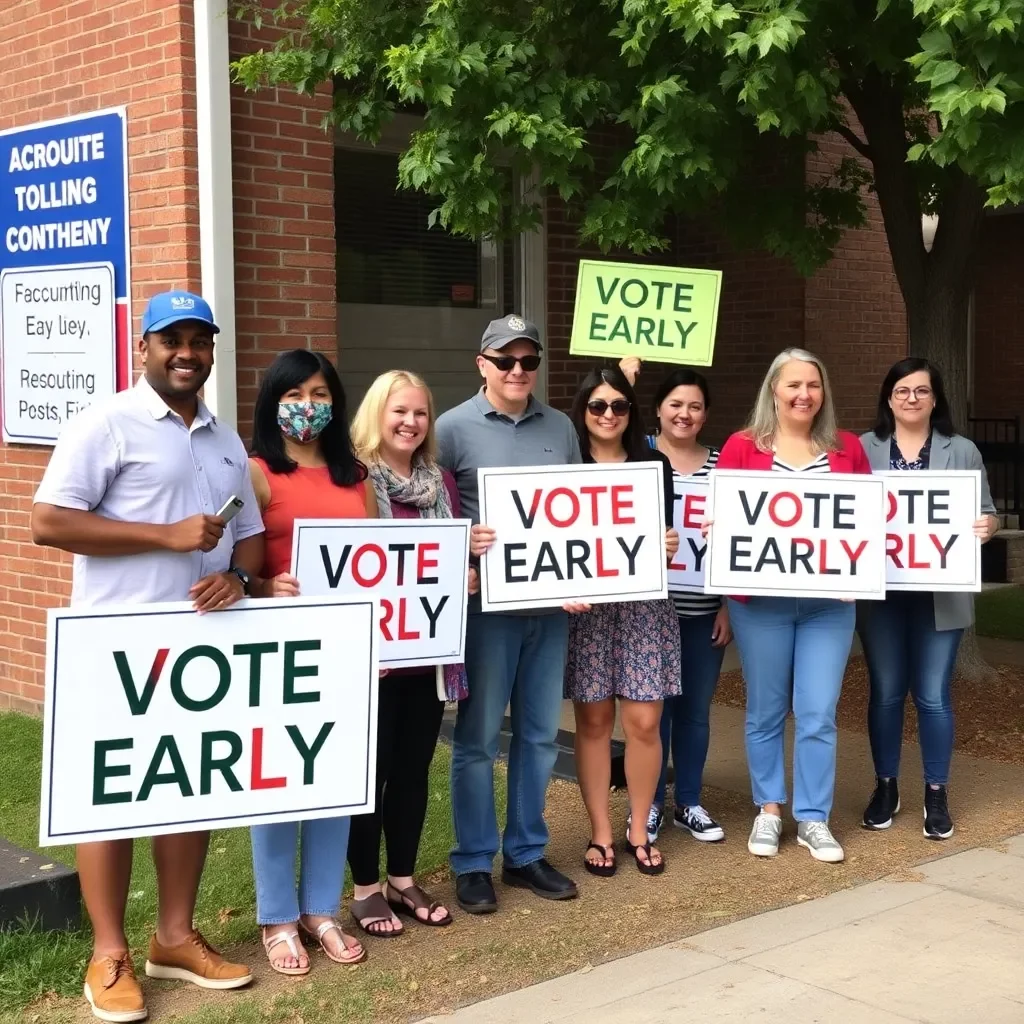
(817, 837)
(765, 835)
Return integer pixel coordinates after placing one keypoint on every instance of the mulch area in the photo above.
(989, 716)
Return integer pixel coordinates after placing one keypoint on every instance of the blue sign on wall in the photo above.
(65, 274)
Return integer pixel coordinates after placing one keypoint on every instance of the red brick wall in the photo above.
(999, 319)
(62, 58)
(854, 315)
(284, 224)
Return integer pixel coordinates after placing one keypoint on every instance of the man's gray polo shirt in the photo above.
(475, 435)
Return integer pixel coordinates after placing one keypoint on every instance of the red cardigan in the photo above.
(740, 452)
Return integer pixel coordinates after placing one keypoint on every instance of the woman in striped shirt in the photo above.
(793, 650)
(681, 405)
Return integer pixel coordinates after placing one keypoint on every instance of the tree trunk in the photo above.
(970, 665)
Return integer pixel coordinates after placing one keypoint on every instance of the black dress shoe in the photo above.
(475, 892)
(541, 879)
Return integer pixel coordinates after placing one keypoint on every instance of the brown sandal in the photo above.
(418, 900)
(374, 907)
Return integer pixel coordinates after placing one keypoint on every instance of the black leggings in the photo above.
(408, 722)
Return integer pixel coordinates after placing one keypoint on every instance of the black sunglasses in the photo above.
(620, 407)
(506, 363)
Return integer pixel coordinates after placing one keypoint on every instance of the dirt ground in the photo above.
(529, 940)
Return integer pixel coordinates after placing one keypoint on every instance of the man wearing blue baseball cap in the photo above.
(135, 491)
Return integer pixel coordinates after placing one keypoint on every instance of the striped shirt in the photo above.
(689, 605)
(819, 465)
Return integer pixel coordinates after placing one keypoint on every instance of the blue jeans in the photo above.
(517, 660)
(906, 653)
(685, 720)
(321, 869)
(794, 653)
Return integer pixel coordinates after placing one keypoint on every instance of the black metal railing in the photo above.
(999, 442)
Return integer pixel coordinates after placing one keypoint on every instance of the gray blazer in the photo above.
(952, 611)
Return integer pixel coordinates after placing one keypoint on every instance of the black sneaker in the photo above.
(885, 804)
(937, 822)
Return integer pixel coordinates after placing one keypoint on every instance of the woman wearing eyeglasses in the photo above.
(911, 639)
(628, 650)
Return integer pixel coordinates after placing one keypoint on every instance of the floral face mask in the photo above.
(304, 421)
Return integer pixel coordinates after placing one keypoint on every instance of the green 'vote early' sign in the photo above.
(665, 314)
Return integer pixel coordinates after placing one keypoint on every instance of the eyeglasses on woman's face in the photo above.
(921, 394)
(598, 407)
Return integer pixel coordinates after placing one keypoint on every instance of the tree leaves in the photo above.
(631, 110)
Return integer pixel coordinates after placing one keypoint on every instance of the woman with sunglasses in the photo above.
(911, 639)
(681, 404)
(628, 650)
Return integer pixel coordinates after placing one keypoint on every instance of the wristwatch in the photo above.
(243, 578)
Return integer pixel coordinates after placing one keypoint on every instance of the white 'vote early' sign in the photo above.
(796, 535)
(686, 571)
(929, 534)
(159, 720)
(593, 533)
(417, 568)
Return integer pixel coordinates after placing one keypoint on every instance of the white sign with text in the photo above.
(929, 531)
(686, 571)
(593, 533)
(796, 535)
(159, 720)
(417, 568)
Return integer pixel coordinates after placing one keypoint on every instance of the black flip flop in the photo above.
(649, 868)
(601, 870)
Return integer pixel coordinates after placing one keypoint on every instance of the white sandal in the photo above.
(289, 937)
(348, 960)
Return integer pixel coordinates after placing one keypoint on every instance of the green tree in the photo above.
(682, 94)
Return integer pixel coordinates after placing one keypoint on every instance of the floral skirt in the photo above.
(629, 649)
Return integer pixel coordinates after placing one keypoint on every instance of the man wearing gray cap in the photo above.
(516, 659)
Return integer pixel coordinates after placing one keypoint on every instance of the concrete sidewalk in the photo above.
(942, 944)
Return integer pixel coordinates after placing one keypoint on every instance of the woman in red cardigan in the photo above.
(793, 650)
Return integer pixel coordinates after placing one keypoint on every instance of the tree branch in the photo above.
(853, 139)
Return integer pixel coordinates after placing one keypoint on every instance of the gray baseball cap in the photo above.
(506, 329)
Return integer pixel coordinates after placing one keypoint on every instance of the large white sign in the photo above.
(796, 535)
(929, 538)
(417, 568)
(686, 571)
(592, 533)
(56, 346)
(160, 720)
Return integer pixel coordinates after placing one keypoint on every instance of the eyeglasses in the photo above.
(506, 363)
(921, 394)
(598, 407)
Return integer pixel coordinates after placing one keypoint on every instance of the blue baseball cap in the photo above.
(172, 307)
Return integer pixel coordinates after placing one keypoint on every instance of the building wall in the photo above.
(285, 275)
(61, 59)
(999, 319)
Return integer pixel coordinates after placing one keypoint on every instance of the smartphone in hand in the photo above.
(231, 509)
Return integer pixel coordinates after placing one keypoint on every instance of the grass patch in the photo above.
(34, 964)
(1000, 613)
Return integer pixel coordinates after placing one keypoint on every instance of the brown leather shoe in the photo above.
(112, 991)
(197, 961)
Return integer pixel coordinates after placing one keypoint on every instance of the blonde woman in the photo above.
(793, 650)
(393, 434)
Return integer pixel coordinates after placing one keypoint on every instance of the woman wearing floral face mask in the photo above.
(303, 467)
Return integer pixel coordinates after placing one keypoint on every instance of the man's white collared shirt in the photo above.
(130, 458)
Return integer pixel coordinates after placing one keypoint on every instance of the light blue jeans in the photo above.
(516, 660)
(324, 845)
(794, 653)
